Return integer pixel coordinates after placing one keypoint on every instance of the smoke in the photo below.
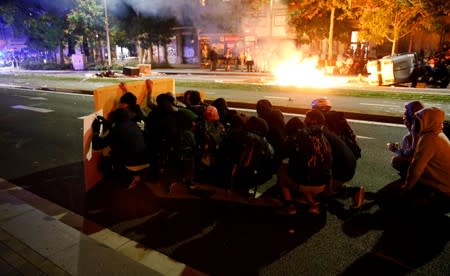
(162, 8)
(187, 12)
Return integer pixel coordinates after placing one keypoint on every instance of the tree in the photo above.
(87, 21)
(16, 13)
(42, 25)
(145, 31)
(392, 20)
(46, 32)
(316, 19)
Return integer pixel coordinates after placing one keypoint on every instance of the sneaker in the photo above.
(301, 201)
(136, 180)
(358, 198)
(291, 209)
(314, 210)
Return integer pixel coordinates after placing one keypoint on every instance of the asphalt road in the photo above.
(41, 150)
(298, 99)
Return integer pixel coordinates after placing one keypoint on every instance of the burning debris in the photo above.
(106, 74)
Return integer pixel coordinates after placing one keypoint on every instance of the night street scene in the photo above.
(224, 137)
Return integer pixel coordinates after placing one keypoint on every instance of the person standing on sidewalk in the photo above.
(242, 60)
(213, 56)
(249, 60)
(228, 59)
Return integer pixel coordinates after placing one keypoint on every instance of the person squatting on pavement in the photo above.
(428, 178)
(128, 147)
(337, 123)
(405, 150)
(346, 149)
(306, 166)
(128, 101)
(426, 186)
(276, 122)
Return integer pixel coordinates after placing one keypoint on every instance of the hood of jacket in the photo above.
(412, 108)
(431, 120)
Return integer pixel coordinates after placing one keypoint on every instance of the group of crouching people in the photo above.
(191, 141)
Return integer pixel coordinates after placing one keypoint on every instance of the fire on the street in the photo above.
(304, 73)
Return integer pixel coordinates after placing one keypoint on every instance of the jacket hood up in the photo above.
(431, 120)
(412, 108)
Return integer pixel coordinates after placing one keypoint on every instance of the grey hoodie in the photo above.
(431, 160)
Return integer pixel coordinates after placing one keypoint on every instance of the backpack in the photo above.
(100, 127)
(310, 157)
(337, 123)
(209, 136)
(254, 165)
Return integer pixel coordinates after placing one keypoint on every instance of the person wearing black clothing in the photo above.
(195, 103)
(128, 147)
(128, 101)
(214, 57)
(225, 113)
(276, 122)
(344, 161)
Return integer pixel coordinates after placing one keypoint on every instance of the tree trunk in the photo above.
(144, 55)
(166, 54)
(61, 53)
(394, 46)
(151, 53)
(330, 35)
(139, 50)
(159, 58)
(411, 39)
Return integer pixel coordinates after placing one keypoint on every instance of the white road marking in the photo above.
(34, 98)
(36, 109)
(385, 105)
(275, 97)
(38, 98)
(365, 137)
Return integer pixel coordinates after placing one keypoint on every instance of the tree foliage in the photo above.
(392, 20)
(145, 30)
(86, 18)
(17, 13)
(43, 28)
(312, 17)
(45, 32)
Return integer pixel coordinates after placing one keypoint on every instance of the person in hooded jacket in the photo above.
(276, 122)
(427, 182)
(405, 150)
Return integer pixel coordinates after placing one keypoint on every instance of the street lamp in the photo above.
(108, 48)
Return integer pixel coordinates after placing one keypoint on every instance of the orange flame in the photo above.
(303, 73)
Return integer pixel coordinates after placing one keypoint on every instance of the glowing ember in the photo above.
(303, 73)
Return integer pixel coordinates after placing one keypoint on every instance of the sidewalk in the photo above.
(38, 237)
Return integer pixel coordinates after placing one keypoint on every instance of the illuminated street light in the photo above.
(107, 34)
